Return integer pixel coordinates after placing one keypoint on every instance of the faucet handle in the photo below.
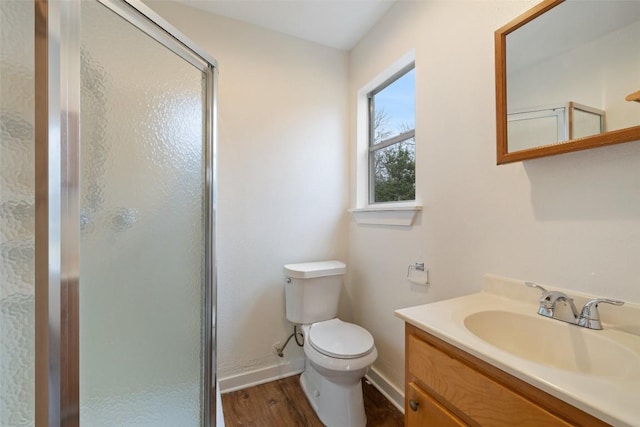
(590, 317)
(535, 285)
(544, 309)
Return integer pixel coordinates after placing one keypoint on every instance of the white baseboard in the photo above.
(260, 376)
(388, 390)
(219, 413)
(294, 367)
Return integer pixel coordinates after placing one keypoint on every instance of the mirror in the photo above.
(568, 78)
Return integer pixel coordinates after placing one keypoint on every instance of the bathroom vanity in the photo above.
(449, 387)
(489, 359)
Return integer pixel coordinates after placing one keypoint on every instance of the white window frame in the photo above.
(394, 140)
(388, 213)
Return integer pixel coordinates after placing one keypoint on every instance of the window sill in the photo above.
(401, 216)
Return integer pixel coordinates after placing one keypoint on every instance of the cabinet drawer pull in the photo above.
(413, 404)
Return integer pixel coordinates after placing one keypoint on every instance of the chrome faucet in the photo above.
(589, 317)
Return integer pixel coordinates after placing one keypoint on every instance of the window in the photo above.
(392, 143)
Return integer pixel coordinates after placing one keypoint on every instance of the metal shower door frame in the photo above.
(57, 211)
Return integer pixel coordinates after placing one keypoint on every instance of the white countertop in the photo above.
(615, 400)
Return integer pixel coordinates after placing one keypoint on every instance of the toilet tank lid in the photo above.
(308, 270)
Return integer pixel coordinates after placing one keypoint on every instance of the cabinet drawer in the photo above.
(483, 400)
(429, 412)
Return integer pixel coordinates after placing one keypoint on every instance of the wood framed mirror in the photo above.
(567, 78)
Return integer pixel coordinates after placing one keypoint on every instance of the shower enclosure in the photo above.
(107, 274)
(554, 124)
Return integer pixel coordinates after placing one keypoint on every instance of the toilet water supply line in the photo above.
(280, 350)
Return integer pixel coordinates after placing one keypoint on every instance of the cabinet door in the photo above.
(481, 398)
(428, 412)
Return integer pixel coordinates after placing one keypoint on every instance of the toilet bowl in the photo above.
(338, 354)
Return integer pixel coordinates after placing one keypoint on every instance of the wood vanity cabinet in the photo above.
(446, 386)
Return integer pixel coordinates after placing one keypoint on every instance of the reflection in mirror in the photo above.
(564, 73)
(526, 128)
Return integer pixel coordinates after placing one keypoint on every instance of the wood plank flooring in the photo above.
(282, 403)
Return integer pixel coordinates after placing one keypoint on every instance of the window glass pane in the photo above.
(395, 108)
(394, 170)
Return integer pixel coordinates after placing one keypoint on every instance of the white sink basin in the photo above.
(595, 371)
(554, 343)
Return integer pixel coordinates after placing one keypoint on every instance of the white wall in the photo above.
(570, 221)
(600, 74)
(282, 169)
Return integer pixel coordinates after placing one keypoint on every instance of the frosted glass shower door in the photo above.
(142, 228)
(17, 227)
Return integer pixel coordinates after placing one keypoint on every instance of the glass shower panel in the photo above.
(586, 123)
(531, 132)
(142, 228)
(17, 228)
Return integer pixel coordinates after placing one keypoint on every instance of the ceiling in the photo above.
(336, 23)
(566, 27)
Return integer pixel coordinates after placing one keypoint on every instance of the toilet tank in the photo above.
(312, 290)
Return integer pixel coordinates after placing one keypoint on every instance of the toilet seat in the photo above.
(342, 340)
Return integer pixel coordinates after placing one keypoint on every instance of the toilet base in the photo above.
(337, 405)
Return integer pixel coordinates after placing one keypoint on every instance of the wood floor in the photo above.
(282, 403)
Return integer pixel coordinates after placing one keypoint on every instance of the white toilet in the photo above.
(338, 354)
